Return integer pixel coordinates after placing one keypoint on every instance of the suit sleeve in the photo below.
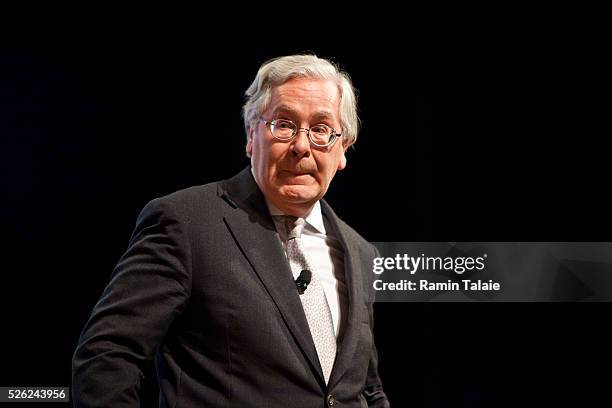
(148, 289)
(373, 390)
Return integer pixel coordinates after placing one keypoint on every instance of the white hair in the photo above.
(277, 71)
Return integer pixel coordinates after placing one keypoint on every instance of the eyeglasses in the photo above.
(284, 130)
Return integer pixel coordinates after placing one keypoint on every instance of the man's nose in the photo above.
(301, 144)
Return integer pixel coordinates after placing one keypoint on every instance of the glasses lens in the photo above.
(282, 129)
(321, 135)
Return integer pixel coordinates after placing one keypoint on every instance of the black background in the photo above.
(479, 124)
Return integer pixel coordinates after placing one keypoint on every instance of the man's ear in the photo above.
(342, 163)
(249, 145)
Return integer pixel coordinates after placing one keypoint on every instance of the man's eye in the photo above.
(321, 129)
(283, 124)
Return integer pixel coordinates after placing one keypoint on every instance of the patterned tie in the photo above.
(313, 299)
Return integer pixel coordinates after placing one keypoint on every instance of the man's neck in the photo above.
(294, 210)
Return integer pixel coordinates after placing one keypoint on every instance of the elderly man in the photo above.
(247, 292)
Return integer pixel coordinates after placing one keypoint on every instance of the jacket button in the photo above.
(331, 400)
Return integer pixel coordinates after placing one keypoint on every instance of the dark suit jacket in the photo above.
(205, 288)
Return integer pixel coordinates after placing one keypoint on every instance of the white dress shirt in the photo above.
(327, 257)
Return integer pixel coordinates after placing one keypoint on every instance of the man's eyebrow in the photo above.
(284, 109)
(323, 115)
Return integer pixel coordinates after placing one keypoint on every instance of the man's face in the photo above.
(294, 175)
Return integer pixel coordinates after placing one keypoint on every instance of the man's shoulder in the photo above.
(357, 238)
(187, 203)
(349, 232)
(190, 195)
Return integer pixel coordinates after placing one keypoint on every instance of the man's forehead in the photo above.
(291, 96)
(309, 88)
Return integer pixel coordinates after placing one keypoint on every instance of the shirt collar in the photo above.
(314, 218)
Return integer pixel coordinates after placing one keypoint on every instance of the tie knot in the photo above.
(293, 226)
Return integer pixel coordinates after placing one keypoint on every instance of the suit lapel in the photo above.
(352, 271)
(253, 230)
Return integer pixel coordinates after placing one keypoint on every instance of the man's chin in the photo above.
(299, 194)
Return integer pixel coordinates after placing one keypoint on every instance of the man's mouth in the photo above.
(297, 172)
(296, 175)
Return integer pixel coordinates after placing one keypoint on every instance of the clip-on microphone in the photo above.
(303, 280)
